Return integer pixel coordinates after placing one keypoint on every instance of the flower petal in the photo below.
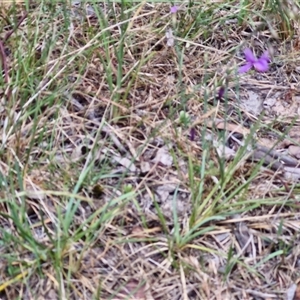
(245, 68)
(261, 65)
(221, 93)
(192, 134)
(249, 56)
(265, 56)
(174, 9)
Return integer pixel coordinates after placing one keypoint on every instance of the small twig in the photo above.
(256, 293)
(7, 36)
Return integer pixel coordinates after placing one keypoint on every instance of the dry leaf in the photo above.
(179, 204)
(76, 153)
(145, 167)
(170, 37)
(224, 151)
(292, 174)
(290, 293)
(283, 104)
(165, 190)
(163, 156)
(125, 162)
(294, 151)
(253, 103)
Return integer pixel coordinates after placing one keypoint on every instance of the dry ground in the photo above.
(139, 166)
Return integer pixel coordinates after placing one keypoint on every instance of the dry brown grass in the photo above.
(105, 195)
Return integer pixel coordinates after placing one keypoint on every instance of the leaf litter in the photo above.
(151, 268)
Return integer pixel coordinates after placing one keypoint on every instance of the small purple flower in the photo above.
(174, 9)
(192, 134)
(221, 93)
(260, 64)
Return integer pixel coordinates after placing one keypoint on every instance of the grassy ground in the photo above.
(136, 162)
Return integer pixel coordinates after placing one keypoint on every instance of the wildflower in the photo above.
(192, 134)
(260, 64)
(221, 93)
(174, 9)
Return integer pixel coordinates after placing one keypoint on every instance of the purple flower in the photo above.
(174, 9)
(221, 93)
(260, 64)
(192, 134)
